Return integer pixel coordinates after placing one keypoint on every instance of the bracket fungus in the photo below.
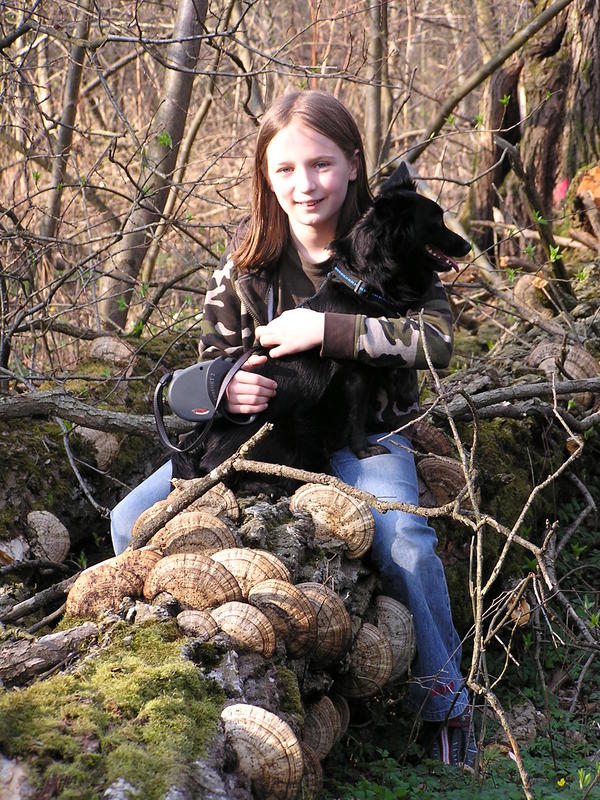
(194, 580)
(247, 627)
(251, 566)
(322, 726)
(267, 750)
(444, 479)
(334, 626)
(103, 586)
(290, 611)
(338, 515)
(193, 532)
(571, 362)
(200, 624)
(48, 537)
(219, 499)
(370, 664)
(394, 620)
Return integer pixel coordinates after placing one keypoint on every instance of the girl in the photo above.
(309, 187)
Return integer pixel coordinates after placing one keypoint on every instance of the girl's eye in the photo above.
(322, 164)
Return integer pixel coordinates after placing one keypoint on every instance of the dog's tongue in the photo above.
(449, 263)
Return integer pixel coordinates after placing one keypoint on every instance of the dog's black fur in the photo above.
(321, 403)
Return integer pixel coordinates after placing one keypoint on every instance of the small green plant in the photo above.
(165, 139)
(578, 549)
(539, 219)
(530, 250)
(36, 175)
(450, 119)
(505, 100)
(555, 254)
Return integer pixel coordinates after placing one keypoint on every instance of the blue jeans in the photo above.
(404, 552)
(156, 487)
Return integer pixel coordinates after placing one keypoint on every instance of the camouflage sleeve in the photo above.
(226, 326)
(397, 341)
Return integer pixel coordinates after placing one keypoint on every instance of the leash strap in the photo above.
(158, 405)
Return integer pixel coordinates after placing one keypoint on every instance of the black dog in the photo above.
(381, 266)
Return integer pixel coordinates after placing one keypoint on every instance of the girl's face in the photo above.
(309, 176)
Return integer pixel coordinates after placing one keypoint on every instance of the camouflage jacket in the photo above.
(236, 303)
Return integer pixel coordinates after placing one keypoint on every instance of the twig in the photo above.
(544, 228)
(188, 491)
(498, 710)
(55, 615)
(580, 679)
(39, 600)
(102, 510)
(34, 563)
(575, 525)
(571, 241)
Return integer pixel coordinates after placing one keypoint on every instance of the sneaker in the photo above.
(455, 743)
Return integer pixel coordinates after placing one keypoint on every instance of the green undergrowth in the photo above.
(137, 710)
(564, 769)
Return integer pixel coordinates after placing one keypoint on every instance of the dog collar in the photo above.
(362, 289)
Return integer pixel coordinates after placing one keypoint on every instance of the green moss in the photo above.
(33, 450)
(290, 701)
(137, 711)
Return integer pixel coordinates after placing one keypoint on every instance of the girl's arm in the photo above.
(224, 323)
(386, 341)
(378, 341)
(222, 318)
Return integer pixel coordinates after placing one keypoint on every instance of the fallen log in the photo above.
(24, 659)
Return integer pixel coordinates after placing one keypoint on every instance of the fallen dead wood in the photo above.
(39, 600)
(527, 233)
(25, 658)
(56, 402)
(500, 399)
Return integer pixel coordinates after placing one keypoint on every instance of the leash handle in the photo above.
(158, 405)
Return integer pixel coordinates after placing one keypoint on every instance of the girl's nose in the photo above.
(304, 180)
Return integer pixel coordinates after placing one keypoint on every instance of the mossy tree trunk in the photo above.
(552, 88)
(561, 88)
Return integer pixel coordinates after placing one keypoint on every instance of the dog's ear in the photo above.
(399, 179)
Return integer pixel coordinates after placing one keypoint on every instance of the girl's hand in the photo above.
(293, 332)
(248, 392)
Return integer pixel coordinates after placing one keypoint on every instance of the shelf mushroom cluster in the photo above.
(249, 595)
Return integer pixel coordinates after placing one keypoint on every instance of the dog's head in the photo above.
(402, 239)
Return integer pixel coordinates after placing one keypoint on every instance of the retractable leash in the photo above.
(195, 394)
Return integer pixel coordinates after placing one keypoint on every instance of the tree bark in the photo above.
(159, 159)
(23, 659)
(67, 122)
(561, 79)
(373, 90)
(495, 116)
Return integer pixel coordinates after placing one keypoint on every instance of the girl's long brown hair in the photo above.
(266, 231)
